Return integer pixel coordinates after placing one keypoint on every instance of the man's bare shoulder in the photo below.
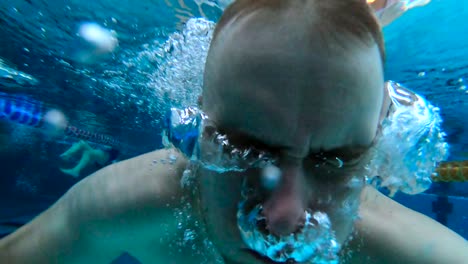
(123, 207)
(143, 185)
(388, 232)
(143, 215)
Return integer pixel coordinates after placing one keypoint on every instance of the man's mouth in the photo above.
(315, 242)
(264, 259)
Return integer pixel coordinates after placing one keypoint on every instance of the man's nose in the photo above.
(284, 209)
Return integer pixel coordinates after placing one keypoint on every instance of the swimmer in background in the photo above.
(21, 110)
(90, 158)
(298, 78)
(25, 121)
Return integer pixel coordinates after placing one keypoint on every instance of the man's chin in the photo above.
(248, 256)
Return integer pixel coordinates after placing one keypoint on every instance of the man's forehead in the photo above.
(301, 133)
(262, 87)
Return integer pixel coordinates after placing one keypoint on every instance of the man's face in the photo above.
(317, 113)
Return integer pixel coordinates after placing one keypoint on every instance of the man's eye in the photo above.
(245, 142)
(209, 131)
(337, 160)
(341, 162)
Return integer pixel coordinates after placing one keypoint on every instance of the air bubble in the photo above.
(95, 42)
(172, 158)
(189, 235)
(271, 176)
(314, 243)
(186, 179)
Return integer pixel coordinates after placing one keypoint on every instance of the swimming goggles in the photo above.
(404, 156)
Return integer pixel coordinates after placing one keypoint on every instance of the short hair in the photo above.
(353, 17)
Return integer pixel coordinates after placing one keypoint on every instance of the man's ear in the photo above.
(200, 101)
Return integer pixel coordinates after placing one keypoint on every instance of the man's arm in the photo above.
(377, 4)
(389, 10)
(391, 233)
(96, 220)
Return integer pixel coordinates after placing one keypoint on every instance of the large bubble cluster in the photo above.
(314, 243)
(177, 82)
(411, 144)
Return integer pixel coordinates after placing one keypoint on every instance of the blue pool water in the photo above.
(158, 63)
